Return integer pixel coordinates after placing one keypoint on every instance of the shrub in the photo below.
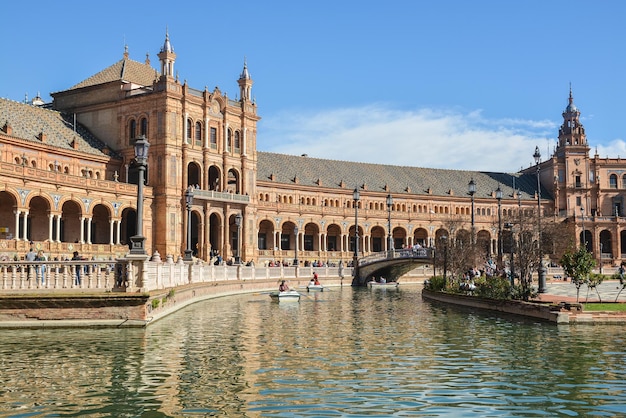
(493, 287)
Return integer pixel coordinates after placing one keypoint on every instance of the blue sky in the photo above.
(448, 84)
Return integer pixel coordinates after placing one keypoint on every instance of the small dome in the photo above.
(167, 47)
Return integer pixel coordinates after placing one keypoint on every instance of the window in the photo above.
(198, 134)
(262, 241)
(284, 242)
(237, 140)
(624, 181)
(613, 181)
(132, 129)
(578, 182)
(229, 140)
(308, 242)
(213, 138)
(189, 126)
(144, 126)
(578, 201)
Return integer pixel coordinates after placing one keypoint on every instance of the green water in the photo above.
(347, 352)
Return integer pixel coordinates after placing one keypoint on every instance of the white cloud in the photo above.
(422, 138)
(614, 149)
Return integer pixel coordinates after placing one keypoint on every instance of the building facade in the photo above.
(71, 181)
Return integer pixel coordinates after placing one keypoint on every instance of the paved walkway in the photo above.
(561, 291)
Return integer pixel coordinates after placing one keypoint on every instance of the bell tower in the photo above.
(245, 83)
(572, 132)
(167, 57)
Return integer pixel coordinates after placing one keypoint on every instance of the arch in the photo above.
(483, 242)
(398, 237)
(613, 181)
(214, 175)
(8, 205)
(215, 234)
(232, 185)
(378, 235)
(193, 174)
(38, 211)
(265, 240)
(606, 241)
(420, 236)
(100, 224)
(333, 237)
(70, 221)
(229, 139)
(310, 241)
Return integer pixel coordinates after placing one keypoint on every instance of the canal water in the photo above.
(344, 352)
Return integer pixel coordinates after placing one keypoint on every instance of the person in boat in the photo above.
(383, 280)
(315, 279)
(283, 287)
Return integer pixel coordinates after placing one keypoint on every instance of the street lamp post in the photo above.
(444, 239)
(499, 197)
(582, 219)
(141, 158)
(295, 260)
(541, 270)
(511, 261)
(355, 261)
(238, 219)
(188, 202)
(390, 245)
(471, 187)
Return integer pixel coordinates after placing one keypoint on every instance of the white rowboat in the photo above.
(288, 296)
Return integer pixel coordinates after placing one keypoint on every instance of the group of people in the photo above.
(284, 287)
(40, 269)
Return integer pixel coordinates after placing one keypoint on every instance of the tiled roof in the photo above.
(123, 70)
(28, 122)
(331, 173)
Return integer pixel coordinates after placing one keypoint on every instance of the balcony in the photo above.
(220, 196)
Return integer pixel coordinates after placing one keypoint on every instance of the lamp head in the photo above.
(471, 187)
(141, 150)
(238, 218)
(355, 195)
(389, 200)
(537, 155)
(499, 193)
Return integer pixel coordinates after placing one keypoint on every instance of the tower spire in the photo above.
(167, 57)
(245, 82)
(572, 132)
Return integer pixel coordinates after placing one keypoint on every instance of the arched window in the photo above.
(237, 141)
(198, 133)
(132, 129)
(624, 181)
(613, 181)
(144, 126)
(189, 126)
(229, 140)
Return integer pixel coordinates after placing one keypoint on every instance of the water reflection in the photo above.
(346, 352)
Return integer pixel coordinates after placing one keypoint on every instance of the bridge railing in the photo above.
(425, 253)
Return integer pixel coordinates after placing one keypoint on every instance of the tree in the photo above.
(578, 265)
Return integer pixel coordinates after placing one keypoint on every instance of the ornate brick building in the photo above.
(70, 180)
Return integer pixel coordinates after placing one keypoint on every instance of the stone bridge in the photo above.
(390, 264)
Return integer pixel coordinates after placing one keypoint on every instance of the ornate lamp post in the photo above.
(295, 260)
(541, 270)
(389, 237)
(141, 158)
(188, 202)
(499, 198)
(238, 219)
(471, 187)
(356, 197)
